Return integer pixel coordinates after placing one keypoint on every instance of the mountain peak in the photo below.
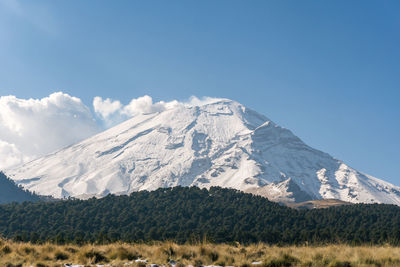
(210, 143)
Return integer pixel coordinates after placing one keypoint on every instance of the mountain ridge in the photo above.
(222, 143)
(10, 192)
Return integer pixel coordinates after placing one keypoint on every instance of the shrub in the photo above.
(6, 250)
(95, 256)
(124, 254)
(213, 256)
(28, 250)
(285, 260)
(61, 256)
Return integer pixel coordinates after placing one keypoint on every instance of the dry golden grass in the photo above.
(25, 254)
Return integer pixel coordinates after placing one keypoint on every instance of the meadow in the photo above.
(172, 254)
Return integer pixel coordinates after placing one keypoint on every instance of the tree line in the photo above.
(190, 214)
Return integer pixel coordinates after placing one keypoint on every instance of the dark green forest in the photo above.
(10, 192)
(185, 214)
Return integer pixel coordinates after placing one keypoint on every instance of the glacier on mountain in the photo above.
(216, 144)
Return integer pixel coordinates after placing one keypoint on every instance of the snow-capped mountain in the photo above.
(218, 144)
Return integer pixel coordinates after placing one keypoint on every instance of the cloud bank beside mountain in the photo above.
(30, 128)
(33, 127)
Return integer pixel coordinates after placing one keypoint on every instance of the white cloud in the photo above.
(34, 127)
(113, 112)
(205, 100)
(105, 108)
(10, 155)
(145, 104)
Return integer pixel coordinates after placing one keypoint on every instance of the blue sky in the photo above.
(327, 70)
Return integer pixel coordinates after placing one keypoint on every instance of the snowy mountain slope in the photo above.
(218, 144)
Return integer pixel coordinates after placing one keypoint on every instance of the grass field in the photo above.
(25, 254)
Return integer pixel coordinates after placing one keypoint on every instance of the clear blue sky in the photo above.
(327, 70)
